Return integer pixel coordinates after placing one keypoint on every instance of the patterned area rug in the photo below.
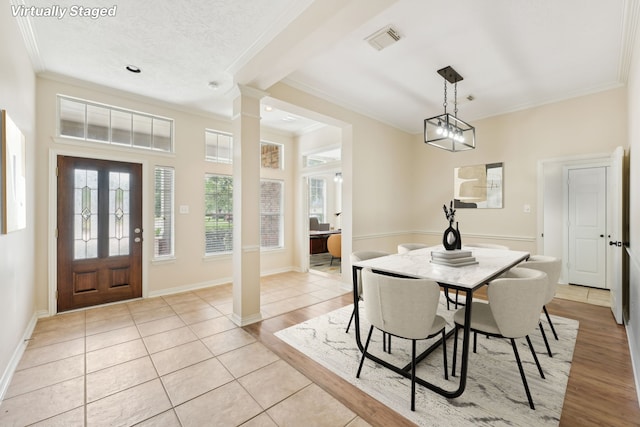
(494, 395)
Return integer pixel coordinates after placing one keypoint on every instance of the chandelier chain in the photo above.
(455, 99)
(445, 97)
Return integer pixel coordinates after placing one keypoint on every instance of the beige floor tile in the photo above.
(197, 316)
(161, 325)
(225, 308)
(212, 326)
(41, 355)
(229, 405)
(270, 297)
(119, 377)
(73, 418)
(109, 324)
(43, 403)
(183, 297)
(358, 422)
(247, 359)
(60, 321)
(146, 304)
(55, 336)
(169, 339)
(41, 376)
(129, 406)
(195, 380)
(227, 341)
(189, 306)
(311, 406)
(106, 312)
(114, 355)
(165, 419)
(109, 338)
(179, 357)
(155, 314)
(262, 420)
(283, 381)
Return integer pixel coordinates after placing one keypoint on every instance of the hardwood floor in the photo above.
(600, 390)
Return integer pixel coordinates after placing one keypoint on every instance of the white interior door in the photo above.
(615, 232)
(587, 227)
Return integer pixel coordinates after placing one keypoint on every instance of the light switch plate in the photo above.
(184, 209)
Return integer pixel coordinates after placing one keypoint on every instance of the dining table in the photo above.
(491, 263)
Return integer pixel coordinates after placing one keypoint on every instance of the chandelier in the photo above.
(447, 131)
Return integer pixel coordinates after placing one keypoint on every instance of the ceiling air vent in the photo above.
(383, 38)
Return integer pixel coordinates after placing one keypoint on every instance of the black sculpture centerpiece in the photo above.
(451, 239)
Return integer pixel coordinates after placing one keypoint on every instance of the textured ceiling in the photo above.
(512, 54)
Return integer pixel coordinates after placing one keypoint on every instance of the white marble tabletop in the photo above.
(417, 263)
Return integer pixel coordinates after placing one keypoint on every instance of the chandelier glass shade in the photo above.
(447, 131)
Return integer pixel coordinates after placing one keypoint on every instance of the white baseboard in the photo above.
(7, 375)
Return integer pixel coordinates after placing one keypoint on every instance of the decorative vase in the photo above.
(459, 241)
(450, 238)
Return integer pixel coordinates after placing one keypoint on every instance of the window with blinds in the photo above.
(94, 122)
(218, 147)
(271, 217)
(218, 217)
(317, 198)
(163, 212)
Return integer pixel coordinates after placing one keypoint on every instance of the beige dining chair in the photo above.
(405, 308)
(334, 246)
(513, 311)
(403, 248)
(362, 256)
(551, 266)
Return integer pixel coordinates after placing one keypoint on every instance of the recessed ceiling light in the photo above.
(289, 118)
(133, 69)
(268, 108)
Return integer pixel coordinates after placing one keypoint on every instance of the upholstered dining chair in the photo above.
(362, 256)
(334, 246)
(403, 248)
(405, 308)
(551, 266)
(513, 311)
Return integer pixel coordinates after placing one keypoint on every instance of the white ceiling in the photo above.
(513, 54)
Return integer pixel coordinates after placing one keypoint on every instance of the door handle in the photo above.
(619, 244)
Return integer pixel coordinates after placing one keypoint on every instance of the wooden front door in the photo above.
(99, 242)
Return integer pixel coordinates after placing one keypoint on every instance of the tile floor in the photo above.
(178, 361)
(170, 361)
(577, 293)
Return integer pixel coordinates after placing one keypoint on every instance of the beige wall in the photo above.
(590, 124)
(17, 259)
(190, 268)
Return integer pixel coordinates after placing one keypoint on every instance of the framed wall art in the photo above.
(478, 186)
(13, 173)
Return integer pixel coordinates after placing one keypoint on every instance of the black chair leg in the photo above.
(413, 375)
(364, 353)
(524, 379)
(444, 354)
(544, 337)
(550, 323)
(455, 350)
(535, 357)
(353, 314)
(475, 342)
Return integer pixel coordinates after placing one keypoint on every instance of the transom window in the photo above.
(91, 121)
(218, 147)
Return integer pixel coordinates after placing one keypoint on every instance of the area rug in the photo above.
(494, 395)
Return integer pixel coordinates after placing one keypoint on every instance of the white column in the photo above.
(246, 206)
